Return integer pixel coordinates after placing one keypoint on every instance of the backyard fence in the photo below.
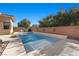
(70, 31)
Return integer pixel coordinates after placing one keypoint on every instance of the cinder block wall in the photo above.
(70, 31)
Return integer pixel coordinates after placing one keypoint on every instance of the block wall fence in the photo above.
(70, 31)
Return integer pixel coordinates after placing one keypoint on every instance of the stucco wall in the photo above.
(5, 19)
(70, 31)
(3, 31)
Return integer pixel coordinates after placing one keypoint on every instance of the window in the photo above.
(6, 25)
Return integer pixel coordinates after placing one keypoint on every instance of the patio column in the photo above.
(11, 26)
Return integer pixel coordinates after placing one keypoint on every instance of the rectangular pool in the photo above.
(36, 41)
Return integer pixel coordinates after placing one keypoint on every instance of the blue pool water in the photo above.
(34, 41)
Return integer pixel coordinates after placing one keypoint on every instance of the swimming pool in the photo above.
(33, 41)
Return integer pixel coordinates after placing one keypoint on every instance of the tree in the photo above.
(46, 22)
(74, 16)
(24, 23)
(63, 18)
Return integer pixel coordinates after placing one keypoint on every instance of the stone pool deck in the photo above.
(14, 47)
(63, 47)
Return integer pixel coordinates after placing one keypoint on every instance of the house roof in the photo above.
(6, 15)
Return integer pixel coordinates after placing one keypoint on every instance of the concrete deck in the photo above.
(63, 47)
(14, 47)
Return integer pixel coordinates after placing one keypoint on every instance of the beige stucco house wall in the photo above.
(6, 24)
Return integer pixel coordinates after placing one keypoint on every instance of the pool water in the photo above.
(33, 41)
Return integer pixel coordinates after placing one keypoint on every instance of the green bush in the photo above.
(24, 30)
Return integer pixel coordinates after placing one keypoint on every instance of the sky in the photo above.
(33, 11)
